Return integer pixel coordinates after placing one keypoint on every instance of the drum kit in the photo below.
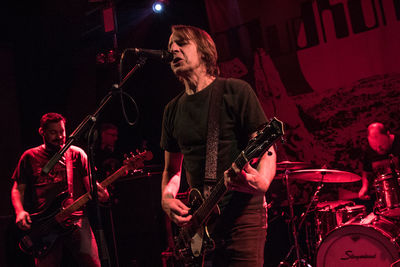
(344, 234)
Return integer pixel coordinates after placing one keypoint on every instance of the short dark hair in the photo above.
(107, 126)
(51, 117)
(205, 45)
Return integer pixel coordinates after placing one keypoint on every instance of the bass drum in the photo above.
(371, 242)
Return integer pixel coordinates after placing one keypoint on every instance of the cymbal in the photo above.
(290, 165)
(327, 176)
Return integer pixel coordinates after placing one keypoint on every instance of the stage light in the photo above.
(158, 6)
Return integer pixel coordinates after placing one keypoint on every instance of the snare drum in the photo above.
(350, 213)
(371, 241)
(387, 195)
(331, 214)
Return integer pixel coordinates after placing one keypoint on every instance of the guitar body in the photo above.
(191, 249)
(44, 229)
(48, 225)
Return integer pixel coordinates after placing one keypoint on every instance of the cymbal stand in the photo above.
(304, 214)
(299, 261)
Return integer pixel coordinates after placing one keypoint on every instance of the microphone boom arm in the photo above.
(90, 118)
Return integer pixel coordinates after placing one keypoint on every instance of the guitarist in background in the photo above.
(240, 231)
(33, 192)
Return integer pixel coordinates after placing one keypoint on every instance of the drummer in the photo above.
(381, 157)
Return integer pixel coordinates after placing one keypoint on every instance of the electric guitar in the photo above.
(193, 240)
(48, 224)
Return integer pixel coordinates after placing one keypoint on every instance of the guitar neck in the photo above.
(110, 179)
(82, 200)
(209, 204)
(218, 192)
(76, 205)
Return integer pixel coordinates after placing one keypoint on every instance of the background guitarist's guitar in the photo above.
(48, 225)
(193, 240)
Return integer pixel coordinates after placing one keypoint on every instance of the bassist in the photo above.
(239, 234)
(34, 192)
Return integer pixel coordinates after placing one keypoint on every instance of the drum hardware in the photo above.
(396, 263)
(291, 165)
(303, 216)
(332, 214)
(329, 176)
(299, 262)
(340, 212)
(387, 195)
(351, 214)
(393, 169)
(326, 218)
(301, 190)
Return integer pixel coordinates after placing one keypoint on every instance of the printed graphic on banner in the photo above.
(325, 68)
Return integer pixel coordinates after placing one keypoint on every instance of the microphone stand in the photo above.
(92, 119)
(98, 222)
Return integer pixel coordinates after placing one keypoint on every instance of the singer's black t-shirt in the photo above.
(185, 129)
(380, 164)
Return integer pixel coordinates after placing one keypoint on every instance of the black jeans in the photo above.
(81, 243)
(241, 241)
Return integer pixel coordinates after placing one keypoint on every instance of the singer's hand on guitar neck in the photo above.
(251, 180)
(245, 180)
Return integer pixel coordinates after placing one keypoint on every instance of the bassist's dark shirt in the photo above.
(41, 189)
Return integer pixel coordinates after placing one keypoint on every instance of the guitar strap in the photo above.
(69, 169)
(213, 129)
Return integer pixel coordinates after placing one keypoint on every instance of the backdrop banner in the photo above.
(327, 68)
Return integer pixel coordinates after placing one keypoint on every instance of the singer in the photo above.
(33, 192)
(240, 231)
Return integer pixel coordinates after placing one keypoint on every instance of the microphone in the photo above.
(162, 55)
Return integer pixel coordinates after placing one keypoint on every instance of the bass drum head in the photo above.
(357, 246)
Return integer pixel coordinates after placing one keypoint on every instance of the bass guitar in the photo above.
(193, 240)
(49, 224)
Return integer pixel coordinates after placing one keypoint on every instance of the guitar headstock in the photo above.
(264, 139)
(136, 161)
(275, 128)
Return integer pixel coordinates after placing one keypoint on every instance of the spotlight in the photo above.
(158, 6)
